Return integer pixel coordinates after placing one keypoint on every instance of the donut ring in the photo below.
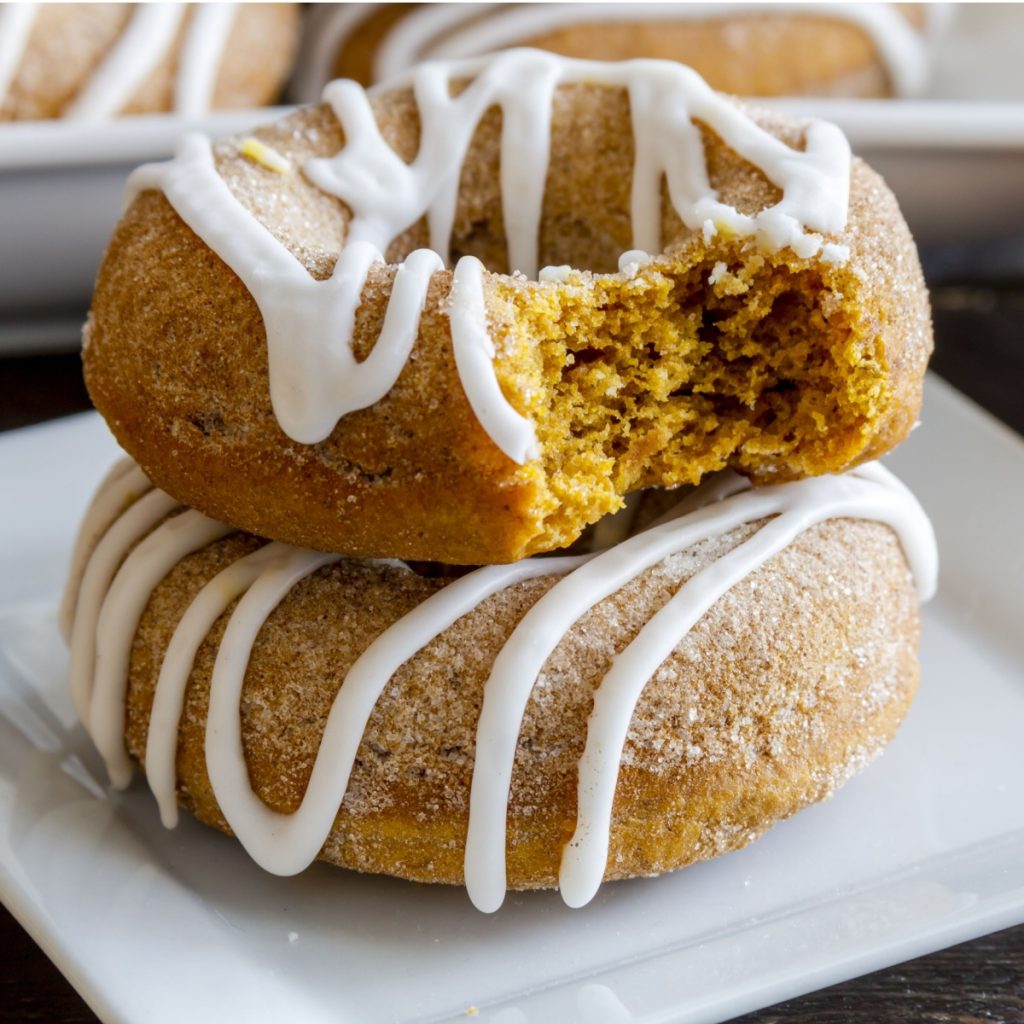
(818, 49)
(789, 658)
(93, 61)
(503, 414)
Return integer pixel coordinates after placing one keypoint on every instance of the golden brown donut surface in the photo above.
(772, 50)
(68, 43)
(789, 685)
(782, 368)
(748, 54)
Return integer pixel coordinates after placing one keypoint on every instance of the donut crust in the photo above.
(68, 41)
(770, 54)
(786, 687)
(175, 351)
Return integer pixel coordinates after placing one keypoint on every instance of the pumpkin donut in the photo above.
(693, 286)
(814, 49)
(88, 61)
(559, 721)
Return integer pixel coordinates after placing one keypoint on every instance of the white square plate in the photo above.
(923, 850)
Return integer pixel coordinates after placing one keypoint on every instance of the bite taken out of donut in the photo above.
(459, 318)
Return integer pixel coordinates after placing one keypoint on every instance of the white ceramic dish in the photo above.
(925, 849)
(60, 195)
(956, 162)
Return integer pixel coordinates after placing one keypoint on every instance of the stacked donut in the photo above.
(556, 387)
(88, 62)
(762, 49)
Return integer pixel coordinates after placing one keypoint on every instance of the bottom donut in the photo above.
(557, 721)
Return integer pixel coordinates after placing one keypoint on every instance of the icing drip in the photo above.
(315, 379)
(16, 21)
(207, 36)
(107, 504)
(142, 546)
(148, 563)
(140, 518)
(387, 195)
(467, 30)
(137, 51)
(474, 359)
(145, 42)
(287, 843)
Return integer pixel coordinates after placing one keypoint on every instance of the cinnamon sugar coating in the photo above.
(784, 367)
(68, 42)
(790, 684)
(749, 54)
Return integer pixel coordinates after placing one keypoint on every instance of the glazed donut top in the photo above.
(315, 378)
(134, 534)
(144, 43)
(447, 31)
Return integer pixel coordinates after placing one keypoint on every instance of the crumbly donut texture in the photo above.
(781, 367)
(68, 42)
(790, 684)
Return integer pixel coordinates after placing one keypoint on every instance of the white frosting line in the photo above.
(474, 358)
(148, 563)
(429, 36)
(798, 505)
(16, 21)
(108, 502)
(287, 843)
(145, 42)
(314, 376)
(388, 195)
(136, 522)
(169, 696)
(806, 503)
(206, 37)
(404, 45)
(326, 29)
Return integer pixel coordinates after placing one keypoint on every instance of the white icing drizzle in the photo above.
(107, 504)
(129, 561)
(388, 195)
(315, 379)
(326, 29)
(468, 30)
(140, 518)
(146, 40)
(136, 52)
(474, 359)
(148, 563)
(169, 696)
(206, 38)
(16, 21)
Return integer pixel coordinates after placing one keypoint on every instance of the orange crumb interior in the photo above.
(660, 378)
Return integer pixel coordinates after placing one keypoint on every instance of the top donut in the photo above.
(458, 318)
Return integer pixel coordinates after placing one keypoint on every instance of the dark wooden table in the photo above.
(980, 348)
